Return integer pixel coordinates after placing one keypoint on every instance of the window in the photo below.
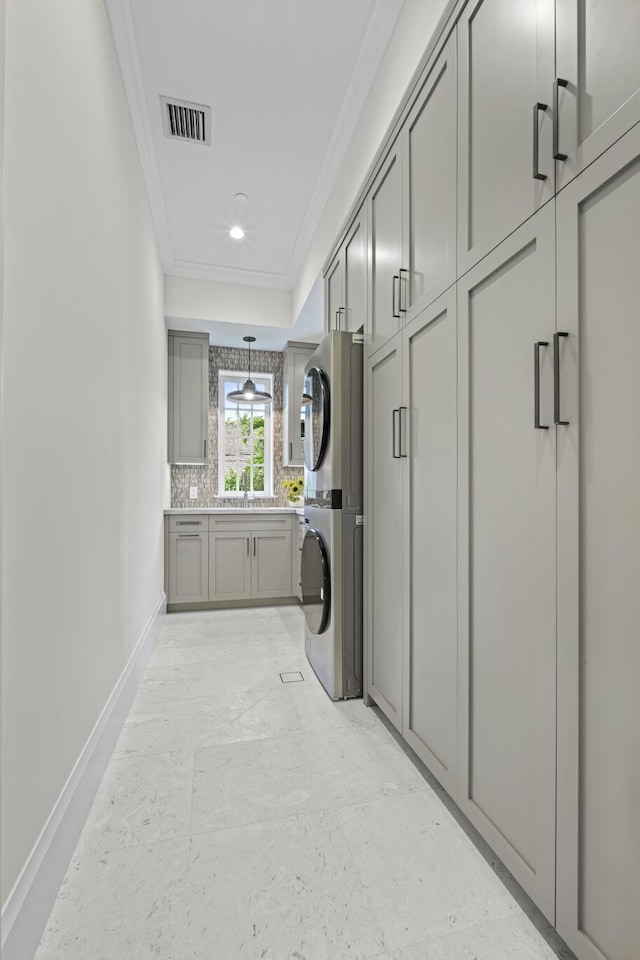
(245, 446)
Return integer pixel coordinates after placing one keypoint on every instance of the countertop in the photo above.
(179, 511)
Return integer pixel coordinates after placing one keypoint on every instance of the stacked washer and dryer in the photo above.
(331, 564)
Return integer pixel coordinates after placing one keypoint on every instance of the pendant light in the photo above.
(249, 392)
(307, 400)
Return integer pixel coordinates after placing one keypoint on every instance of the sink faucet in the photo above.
(244, 483)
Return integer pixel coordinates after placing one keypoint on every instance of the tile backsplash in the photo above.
(205, 478)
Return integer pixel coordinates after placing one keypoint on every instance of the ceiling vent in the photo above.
(186, 121)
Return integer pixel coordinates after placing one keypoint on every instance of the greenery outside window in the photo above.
(245, 447)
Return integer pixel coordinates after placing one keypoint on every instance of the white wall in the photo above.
(409, 40)
(85, 478)
(208, 300)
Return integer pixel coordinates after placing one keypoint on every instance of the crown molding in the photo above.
(376, 39)
(124, 37)
(205, 271)
(381, 23)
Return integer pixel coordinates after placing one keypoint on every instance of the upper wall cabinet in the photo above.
(346, 281)
(506, 170)
(385, 232)
(429, 156)
(188, 397)
(334, 292)
(296, 356)
(412, 208)
(598, 82)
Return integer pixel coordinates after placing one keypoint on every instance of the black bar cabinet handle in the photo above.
(536, 384)
(556, 379)
(393, 297)
(557, 83)
(400, 307)
(402, 424)
(396, 456)
(537, 108)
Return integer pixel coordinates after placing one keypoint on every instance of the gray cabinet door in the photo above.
(598, 223)
(230, 565)
(430, 156)
(271, 565)
(507, 595)
(505, 64)
(355, 276)
(295, 360)
(430, 538)
(598, 56)
(384, 529)
(188, 568)
(386, 281)
(334, 293)
(188, 397)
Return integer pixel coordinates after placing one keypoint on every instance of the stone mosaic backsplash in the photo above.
(205, 478)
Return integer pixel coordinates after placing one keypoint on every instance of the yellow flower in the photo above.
(293, 487)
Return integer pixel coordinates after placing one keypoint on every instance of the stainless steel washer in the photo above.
(332, 599)
(331, 563)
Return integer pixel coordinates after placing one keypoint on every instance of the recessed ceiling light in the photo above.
(241, 197)
(237, 233)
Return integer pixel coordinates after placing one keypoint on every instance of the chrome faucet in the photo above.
(244, 483)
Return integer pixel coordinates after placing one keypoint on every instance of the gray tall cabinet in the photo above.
(598, 587)
(188, 397)
(502, 611)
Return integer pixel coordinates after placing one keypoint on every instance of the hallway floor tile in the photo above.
(243, 818)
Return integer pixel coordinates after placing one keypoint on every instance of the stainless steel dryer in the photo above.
(331, 564)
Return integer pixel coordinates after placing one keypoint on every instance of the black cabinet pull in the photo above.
(536, 384)
(557, 83)
(537, 108)
(556, 379)
(396, 456)
(401, 309)
(393, 296)
(402, 431)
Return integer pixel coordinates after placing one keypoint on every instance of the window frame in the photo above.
(224, 376)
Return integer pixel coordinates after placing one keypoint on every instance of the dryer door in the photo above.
(316, 418)
(316, 582)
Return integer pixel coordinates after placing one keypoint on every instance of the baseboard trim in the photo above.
(232, 604)
(25, 913)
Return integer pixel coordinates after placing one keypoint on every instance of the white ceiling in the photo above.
(286, 81)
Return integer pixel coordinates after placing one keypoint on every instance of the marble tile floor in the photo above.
(242, 818)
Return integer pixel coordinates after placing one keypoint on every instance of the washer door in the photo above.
(316, 582)
(316, 418)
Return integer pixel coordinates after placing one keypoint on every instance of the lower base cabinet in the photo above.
(233, 558)
(230, 565)
(507, 549)
(384, 574)
(188, 561)
(271, 564)
(411, 533)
